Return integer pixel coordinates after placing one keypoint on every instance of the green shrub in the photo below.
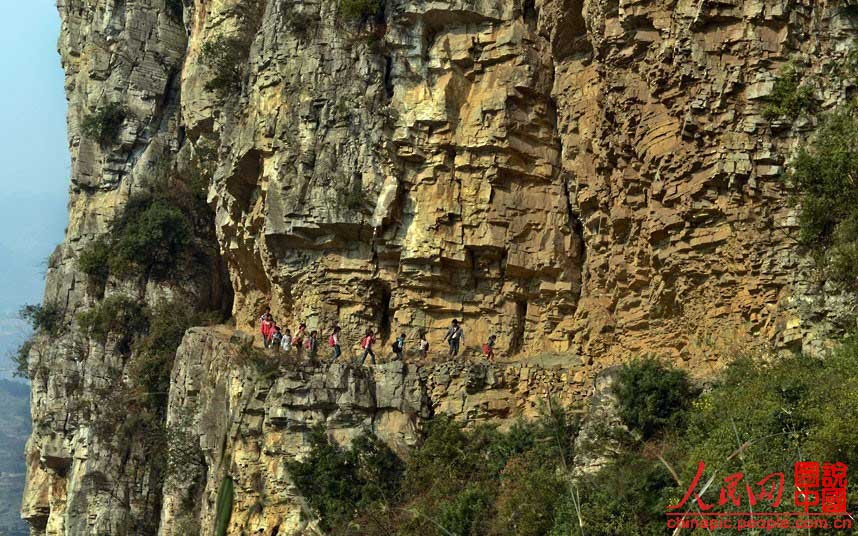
(122, 417)
(651, 396)
(337, 482)
(20, 358)
(223, 512)
(356, 200)
(468, 512)
(117, 314)
(823, 176)
(224, 57)
(487, 482)
(529, 493)
(46, 318)
(359, 11)
(150, 237)
(628, 496)
(104, 124)
(841, 259)
(300, 22)
(93, 261)
(789, 98)
(795, 408)
(155, 350)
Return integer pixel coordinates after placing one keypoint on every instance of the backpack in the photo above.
(364, 343)
(331, 340)
(307, 344)
(486, 348)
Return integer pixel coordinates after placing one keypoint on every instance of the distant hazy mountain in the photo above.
(14, 429)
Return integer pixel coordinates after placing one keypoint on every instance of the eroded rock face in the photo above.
(688, 232)
(248, 426)
(588, 177)
(396, 180)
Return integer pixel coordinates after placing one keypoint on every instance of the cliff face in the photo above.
(592, 178)
(239, 423)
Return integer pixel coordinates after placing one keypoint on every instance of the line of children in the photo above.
(273, 336)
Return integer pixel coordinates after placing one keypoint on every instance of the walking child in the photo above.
(399, 346)
(312, 345)
(298, 339)
(286, 343)
(454, 337)
(366, 344)
(267, 329)
(423, 345)
(276, 339)
(489, 348)
(334, 342)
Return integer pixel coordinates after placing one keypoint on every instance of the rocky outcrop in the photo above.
(248, 426)
(675, 173)
(589, 179)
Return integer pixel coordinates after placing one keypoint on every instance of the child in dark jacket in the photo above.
(399, 347)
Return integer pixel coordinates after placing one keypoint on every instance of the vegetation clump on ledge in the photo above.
(225, 57)
(46, 318)
(790, 98)
(823, 174)
(105, 124)
(485, 482)
(360, 11)
(152, 237)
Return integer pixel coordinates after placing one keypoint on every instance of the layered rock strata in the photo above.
(588, 177)
(249, 426)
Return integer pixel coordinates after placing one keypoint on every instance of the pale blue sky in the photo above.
(34, 161)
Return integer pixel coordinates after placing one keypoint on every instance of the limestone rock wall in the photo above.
(129, 55)
(589, 179)
(393, 176)
(249, 426)
(690, 238)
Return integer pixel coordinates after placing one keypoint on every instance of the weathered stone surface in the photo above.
(249, 427)
(591, 178)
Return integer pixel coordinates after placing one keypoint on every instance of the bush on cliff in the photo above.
(117, 314)
(224, 57)
(359, 11)
(823, 175)
(338, 481)
(151, 238)
(45, 318)
(652, 397)
(155, 349)
(20, 358)
(627, 496)
(93, 261)
(105, 124)
(758, 417)
(789, 99)
(482, 481)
